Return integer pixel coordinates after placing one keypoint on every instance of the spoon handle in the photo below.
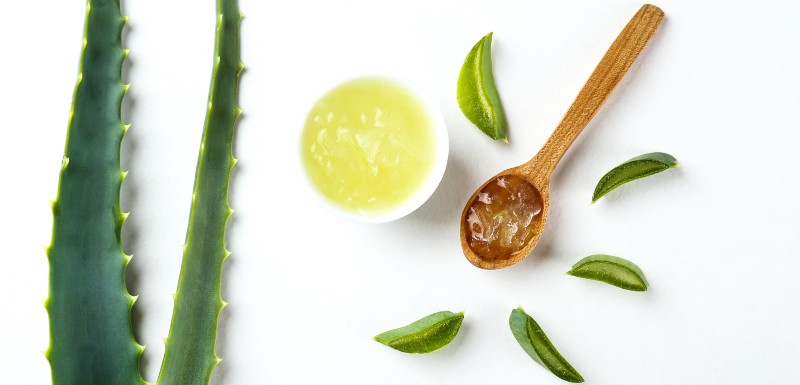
(601, 83)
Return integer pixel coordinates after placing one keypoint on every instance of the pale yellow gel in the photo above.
(368, 145)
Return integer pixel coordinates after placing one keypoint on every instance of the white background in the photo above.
(718, 88)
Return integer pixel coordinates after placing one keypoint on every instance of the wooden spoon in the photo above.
(538, 170)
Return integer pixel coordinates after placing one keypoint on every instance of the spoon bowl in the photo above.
(537, 171)
(542, 185)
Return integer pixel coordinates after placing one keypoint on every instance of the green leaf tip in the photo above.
(425, 335)
(535, 343)
(633, 169)
(477, 93)
(612, 270)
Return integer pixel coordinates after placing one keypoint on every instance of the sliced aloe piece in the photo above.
(425, 335)
(636, 168)
(612, 270)
(477, 94)
(533, 340)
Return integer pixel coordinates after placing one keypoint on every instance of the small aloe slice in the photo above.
(533, 340)
(477, 94)
(612, 270)
(638, 167)
(425, 335)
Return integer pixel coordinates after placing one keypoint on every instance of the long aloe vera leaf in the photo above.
(190, 353)
(91, 341)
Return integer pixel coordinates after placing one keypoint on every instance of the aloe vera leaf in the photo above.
(533, 340)
(611, 270)
(477, 94)
(190, 352)
(425, 335)
(635, 168)
(89, 307)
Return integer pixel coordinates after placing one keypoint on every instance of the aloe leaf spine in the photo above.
(190, 352)
(89, 307)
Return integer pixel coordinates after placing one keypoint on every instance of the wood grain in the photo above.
(605, 78)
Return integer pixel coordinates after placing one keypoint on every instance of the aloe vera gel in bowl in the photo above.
(373, 149)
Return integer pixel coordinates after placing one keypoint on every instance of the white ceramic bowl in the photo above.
(428, 185)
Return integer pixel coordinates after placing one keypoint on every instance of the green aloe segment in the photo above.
(91, 341)
(533, 340)
(425, 335)
(636, 168)
(190, 354)
(477, 94)
(611, 270)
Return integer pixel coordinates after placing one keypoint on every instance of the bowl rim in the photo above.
(429, 184)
